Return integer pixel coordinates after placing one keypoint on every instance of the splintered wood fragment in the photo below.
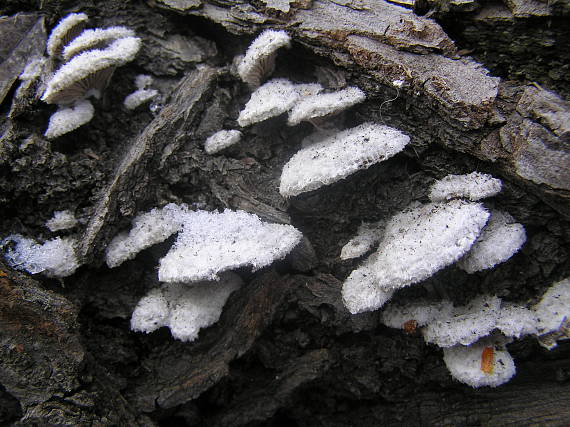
(488, 360)
(410, 326)
(132, 184)
(550, 339)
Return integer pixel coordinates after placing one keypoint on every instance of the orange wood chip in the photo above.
(410, 326)
(488, 360)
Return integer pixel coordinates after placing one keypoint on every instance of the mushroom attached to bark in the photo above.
(259, 60)
(89, 73)
(325, 104)
(65, 31)
(339, 156)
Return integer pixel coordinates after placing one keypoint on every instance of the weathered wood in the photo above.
(131, 187)
(286, 351)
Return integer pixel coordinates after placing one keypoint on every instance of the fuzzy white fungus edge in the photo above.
(274, 98)
(57, 36)
(93, 38)
(466, 324)
(473, 186)
(501, 238)
(212, 242)
(68, 119)
(54, 258)
(220, 140)
(61, 220)
(184, 308)
(78, 68)
(323, 104)
(139, 97)
(367, 235)
(554, 307)
(259, 60)
(422, 312)
(359, 290)
(148, 229)
(420, 241)
(464, 363)
(339, 156)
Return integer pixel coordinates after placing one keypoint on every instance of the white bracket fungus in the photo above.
(89, 72)
(143, 93)
(212, 242)
(553, 314)
(418, 313)
(148, 229)
(275, 97)
(61, 220)
(324, 104)
(139, 97)
(367, 236)
(54, 258)
(259, 60)
(96, 38)
(416, 243)
(208, 242)
(184, 308)
(67, 119)
(360, 292)
(516, 321)
(420, 241)
(477, 319)
(501, 238)
(64, 32)
(339, 156)
(220, 140)
(472, 355)
(473, 186)
(485, 363)
(464, 325)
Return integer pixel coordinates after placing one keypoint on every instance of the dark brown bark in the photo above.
(286, 350)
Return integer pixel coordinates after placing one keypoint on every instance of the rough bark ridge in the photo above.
(483, 89)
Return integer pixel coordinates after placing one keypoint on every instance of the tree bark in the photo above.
(483, 88)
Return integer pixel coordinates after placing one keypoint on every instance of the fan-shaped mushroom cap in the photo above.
(95, 39)
(339, 156)
(67, 29)
(274, 98)
(221, 139)
(323, 104)
(259, 60)
(501, 238)
(212, 242)
(89, 71)
(68, 119)
(473, 186)
(184, 308)
(485, 363)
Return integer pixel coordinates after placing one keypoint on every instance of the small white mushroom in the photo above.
(324, 104)
(473, 186)
(89, 73)
(220, 140)
(68, 119)
(485, 363)
(95, 39)
(65, 31)
(259, 60)
(501, 238)
(339, 156)
(184, 308)
(275, 97)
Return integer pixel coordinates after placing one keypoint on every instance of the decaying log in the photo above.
(286, 351)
